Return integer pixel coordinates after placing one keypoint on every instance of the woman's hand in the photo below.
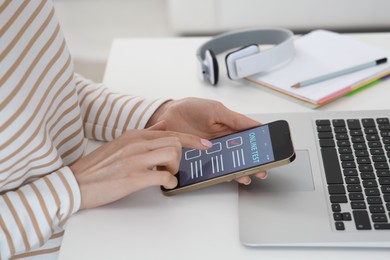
(204, 118)
(136, 160)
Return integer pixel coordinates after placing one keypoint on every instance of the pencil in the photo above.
(339, 73)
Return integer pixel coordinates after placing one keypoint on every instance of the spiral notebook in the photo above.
(321, 52)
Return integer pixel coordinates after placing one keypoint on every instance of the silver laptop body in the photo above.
(293, 208)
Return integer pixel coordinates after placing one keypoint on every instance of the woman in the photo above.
(47, 111)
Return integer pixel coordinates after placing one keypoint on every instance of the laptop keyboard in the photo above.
(355, 154)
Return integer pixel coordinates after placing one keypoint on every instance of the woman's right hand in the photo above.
(136, 160)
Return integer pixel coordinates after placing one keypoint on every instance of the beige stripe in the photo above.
(131, 114)
(4, 5)
(32, 216)
(31, 161)
(43, 206)
(27, 142)
(81, 89)
(39, 252)
(66, 126)
(69, 110)
(118, 116)
(91, 103)
(78, 82)
(14, 16)
(98, 114)
(71, 198)
(37, 176)
(57, 235)
(35, 159)
(28, 99)
(9, 181)
(25, 76)
(85, 97)
(55, 196)
(18, 222)
(73, 149)
(105, 124)
(8, 236)
(67, 97)
(4, 54)
(70, 137)
(143, 113)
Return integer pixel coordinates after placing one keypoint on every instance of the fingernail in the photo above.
(248, 181)
(263, 176)
(206, 143)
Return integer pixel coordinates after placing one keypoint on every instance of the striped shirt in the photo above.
(46, 113)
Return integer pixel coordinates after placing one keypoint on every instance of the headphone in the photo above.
(247, 60)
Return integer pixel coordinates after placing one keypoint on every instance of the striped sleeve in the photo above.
(31, 215)
(106, 115)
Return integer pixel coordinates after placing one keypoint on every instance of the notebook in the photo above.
(335, 194)
(321, 52)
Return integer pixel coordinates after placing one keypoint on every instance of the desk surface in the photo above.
(201, 224)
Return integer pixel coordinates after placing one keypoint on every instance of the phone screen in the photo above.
(229, 154)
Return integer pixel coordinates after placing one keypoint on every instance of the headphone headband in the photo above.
(248, 62)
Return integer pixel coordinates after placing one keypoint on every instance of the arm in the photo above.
(106, 115)
(30, 215)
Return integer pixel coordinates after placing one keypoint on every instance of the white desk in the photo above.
(201, 224)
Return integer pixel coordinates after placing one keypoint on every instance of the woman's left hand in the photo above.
(204, 118)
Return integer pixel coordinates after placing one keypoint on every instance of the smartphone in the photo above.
(235, 155)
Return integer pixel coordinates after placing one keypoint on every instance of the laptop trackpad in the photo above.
(296, 176)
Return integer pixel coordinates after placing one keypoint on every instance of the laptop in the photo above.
(335, 194)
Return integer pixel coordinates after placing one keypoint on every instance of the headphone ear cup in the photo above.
(231, 58)
(212, 67)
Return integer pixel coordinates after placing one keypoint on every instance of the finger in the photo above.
(246, 180)
(158, 126)
(234, 120)
(160, 178)
(163, 152)
(187, 140)
(262, 175)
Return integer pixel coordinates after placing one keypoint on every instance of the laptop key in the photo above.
(343, 143)
(382, 226)
(327, 143)
(331, 165)
(384, 180)
(362, 220)
(324, 128)
(383, 173)
(385, 188)
(338, 122)
(336, 207)
(336, 189)
(374, 200)
(353, 124)
(379, 218)
(339, 225)
(372, 192)
(356, 196)
(338, 199)
(368, 122)
(325, 135)
(367, 175)
(377, 209)
(321, 122)
(383, 121)
(358, 205)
